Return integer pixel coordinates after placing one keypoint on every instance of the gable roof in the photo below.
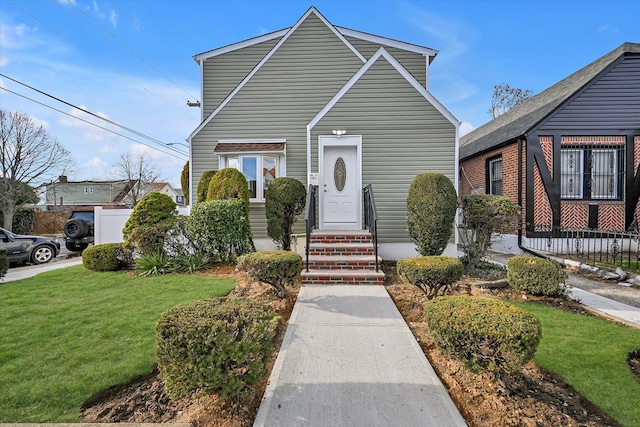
(523, 118)
(268, 56)
(383, 53)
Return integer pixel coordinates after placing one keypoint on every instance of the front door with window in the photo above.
(340, 184)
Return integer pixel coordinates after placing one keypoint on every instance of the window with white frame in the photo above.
(88, 189)
(260, 161)
(592, 173)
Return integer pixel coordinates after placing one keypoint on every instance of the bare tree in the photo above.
(29, 156)
(506, 97)
(139, 171)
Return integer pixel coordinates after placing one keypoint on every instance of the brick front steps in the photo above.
(342, 257)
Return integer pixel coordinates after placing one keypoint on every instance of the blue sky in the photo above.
(132, 61)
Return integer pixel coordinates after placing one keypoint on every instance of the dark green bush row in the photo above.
(146, 228)
(431, 273)
(4, 262)
(278, 268)
(102, 257)
(431, 209)
(483, 334)
(214, 345)
(203, 185)
(24, 220)
(537, 276)
(229, 183)
(220, 229)
(284, 201)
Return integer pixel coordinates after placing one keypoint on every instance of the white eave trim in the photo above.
(388, 42)
(268, 56)
(251, 141)
(382, 52)
(239, 45)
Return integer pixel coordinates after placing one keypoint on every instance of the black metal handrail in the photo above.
(310, 218)
(371, 217)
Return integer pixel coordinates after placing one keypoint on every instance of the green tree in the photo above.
(203, 185)
(284, 201)
(184, 182)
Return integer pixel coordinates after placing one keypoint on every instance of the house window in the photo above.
(494, 176)
(592, 173)
(88, 189)
(258, 169)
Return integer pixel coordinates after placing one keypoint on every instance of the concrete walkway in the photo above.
(19, 273)
(617, 310)
(349, 359)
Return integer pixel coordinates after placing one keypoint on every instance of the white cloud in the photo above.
(607, 28)
(3, 61)
(113, 18)
(465, 128)
(98, 167)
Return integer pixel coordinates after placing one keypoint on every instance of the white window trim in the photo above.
(281, 166)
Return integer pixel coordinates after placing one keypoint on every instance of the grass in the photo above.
(591, 354)
(71, 333)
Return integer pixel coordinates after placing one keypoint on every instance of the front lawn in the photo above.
(69, 334)
(591, 354)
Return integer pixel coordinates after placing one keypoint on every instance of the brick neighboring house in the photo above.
(570, 155)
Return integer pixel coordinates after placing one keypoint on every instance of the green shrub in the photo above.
(217, 345)
(229, 183)
(146, 228)
(220, 229)
(4, 262)
(24, 220)
(184, 182)
(431, 273)
(537, 276)
(431, 209)
(483, 217)
(203, 185)
(153, 264)
(284, 200)
(483, 334)
(102, 257)
(277, 268)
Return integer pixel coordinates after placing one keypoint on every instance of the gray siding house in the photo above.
(329, 106)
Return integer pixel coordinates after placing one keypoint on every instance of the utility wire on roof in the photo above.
(101, 60)
(96, 125)
(135, 53)
(128, 129)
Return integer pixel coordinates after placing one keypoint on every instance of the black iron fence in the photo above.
(590, 246)
(371, 217)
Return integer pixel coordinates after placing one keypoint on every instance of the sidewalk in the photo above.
(349, 358)
(19, 273)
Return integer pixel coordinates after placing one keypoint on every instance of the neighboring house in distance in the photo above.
(570, 156)
(64, 194)
(329, 106)
(180, 197)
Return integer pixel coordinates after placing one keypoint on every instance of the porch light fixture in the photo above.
(339, 132)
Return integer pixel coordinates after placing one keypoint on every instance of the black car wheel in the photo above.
(42, 254)
(76, 228)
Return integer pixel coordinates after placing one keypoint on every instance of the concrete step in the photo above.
(334, 249)
(342, 277)
(336, 262)
(338, 236)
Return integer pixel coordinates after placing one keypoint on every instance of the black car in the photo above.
(35, 249)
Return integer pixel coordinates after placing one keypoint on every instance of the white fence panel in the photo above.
(109, 223)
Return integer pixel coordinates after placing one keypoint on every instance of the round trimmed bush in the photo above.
(102, 257)
(431, 209)
(203, 185)
(214, 345)
(284, 200)
(229, 183)
(277, 268)
(482, 333)
(146, 228)
(537, 276)
(431, 273)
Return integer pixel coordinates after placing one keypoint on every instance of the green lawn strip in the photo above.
(69, 334)
(591, 354)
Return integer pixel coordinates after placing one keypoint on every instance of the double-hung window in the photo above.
(260, 162)
(592, 173)
(494, 176)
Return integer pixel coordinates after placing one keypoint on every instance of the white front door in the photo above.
(340, 191)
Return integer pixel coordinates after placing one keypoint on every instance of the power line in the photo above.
(140, 57)
(135, 132)
(94, 124)
(100, 59)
